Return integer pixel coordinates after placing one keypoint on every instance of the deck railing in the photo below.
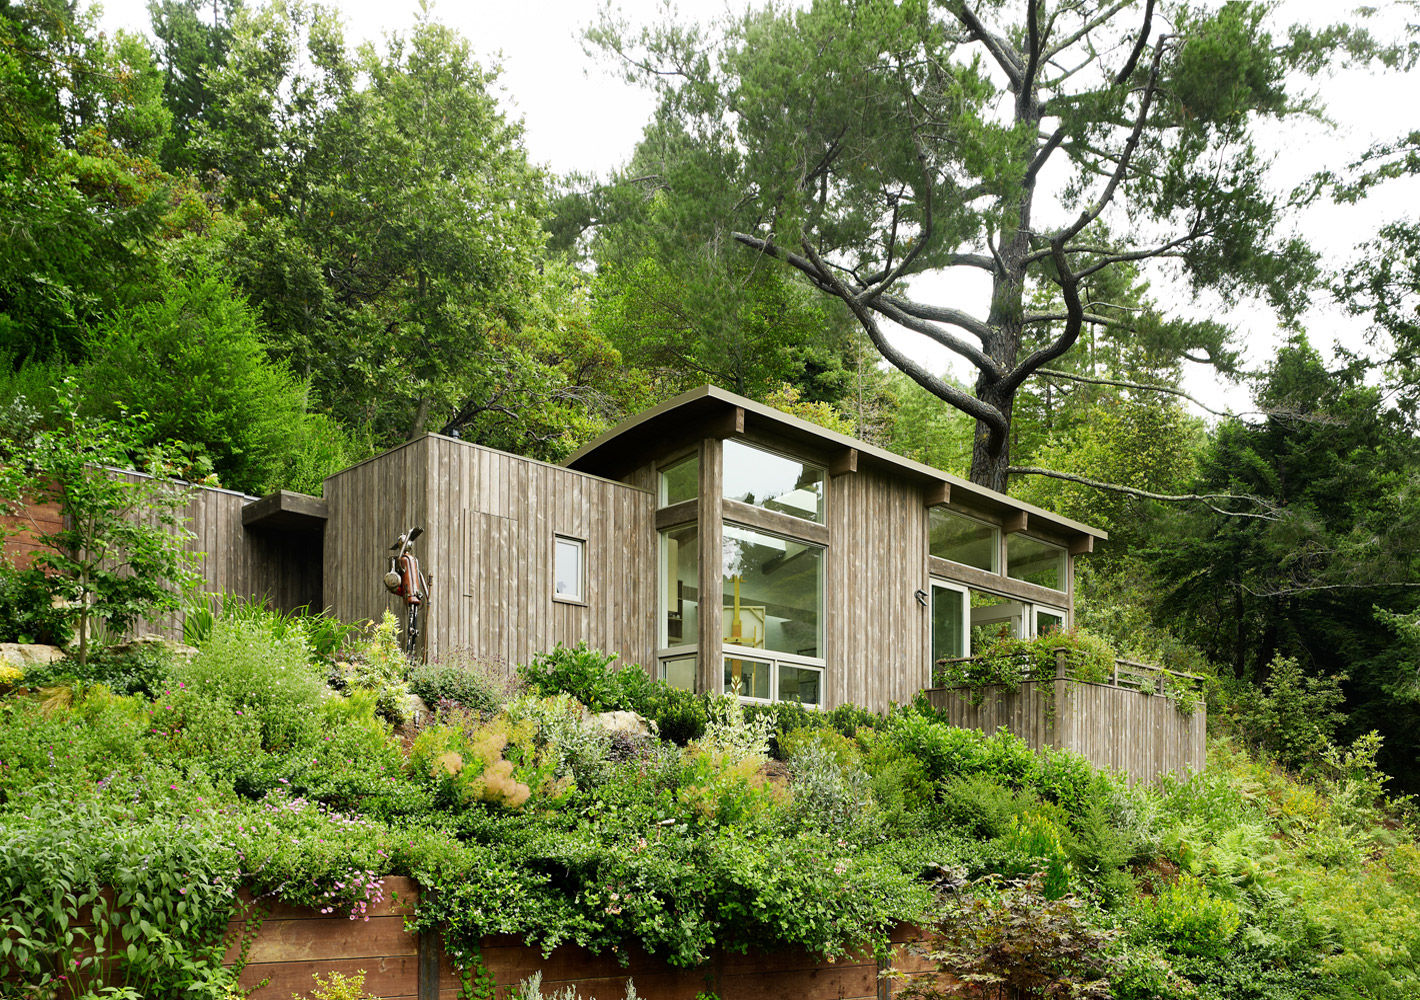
(1131, 674)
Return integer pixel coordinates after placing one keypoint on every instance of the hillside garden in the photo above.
(268, 760)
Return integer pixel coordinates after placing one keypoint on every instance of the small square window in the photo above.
(569, 569)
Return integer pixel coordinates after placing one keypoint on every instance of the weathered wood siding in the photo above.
(21, 534)
(371, 504)
(281, 567)
(1142, 735)
(490, 519)
(876, 645)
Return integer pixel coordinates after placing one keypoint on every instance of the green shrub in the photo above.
(265, 674)
(1187, 919)
(174, 886)
(460, 678)
(1295, 715)
(142, 669)
(680, 716)
(590, 676)
(829, 793)
(378, 666)
(980, 805)
(27, 611)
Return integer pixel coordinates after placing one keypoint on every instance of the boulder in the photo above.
(621, 722)
(25, 655)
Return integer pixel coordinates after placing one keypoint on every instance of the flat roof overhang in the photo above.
(714, 412)
(286, 511)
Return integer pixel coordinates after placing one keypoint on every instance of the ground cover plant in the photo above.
(172, 780)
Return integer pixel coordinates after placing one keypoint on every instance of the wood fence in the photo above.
(1129, 723)
(293, 944)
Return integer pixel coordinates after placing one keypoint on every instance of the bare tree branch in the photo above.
(1206, 499)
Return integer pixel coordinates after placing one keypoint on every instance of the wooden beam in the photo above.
(727, 424)
(1082, 545)
(287, 510)
(1014, 522)
(677, 514)
(845, 461)
(772, 520)
(979, 579)
(938, 494)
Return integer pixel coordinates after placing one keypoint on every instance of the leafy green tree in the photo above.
(392, 177)
(80, 196)
(872, 141)
(193, 359)
(120, 553)
(1334, 535)
(192, 37)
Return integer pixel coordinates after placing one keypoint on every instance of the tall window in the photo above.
(964, 539)
(951, 611)
(772, 619)
(1033, 561)
(680, 481)
(680, 587)
(568, 569)
(763, 479)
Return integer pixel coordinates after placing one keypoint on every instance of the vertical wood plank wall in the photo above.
(490, 519)
(283, 568)
(1116, 727)
(370, 505)
(877, 558)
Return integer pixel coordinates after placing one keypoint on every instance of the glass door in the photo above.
(951, 610)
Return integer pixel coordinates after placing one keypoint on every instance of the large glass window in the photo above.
(949, 617)
(773, 592)
(763, 479)
(800, 684)
(681, 481)
(964, 539)
(1033, 561)
(680, 586)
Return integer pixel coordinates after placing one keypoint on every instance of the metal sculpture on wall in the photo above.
(406, 580)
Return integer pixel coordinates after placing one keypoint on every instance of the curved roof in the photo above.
(627, 444)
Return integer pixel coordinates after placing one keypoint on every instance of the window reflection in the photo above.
(680, 582)
(681, 481)
(773, 482)
(1033, 561)
(963, 539)
(773, 592)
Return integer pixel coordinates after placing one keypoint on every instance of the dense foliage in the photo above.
(775, 827)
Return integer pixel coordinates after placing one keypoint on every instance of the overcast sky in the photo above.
(580, 116)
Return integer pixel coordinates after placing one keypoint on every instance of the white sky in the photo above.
(580, 116)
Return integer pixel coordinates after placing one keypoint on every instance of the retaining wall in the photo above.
(293, 944)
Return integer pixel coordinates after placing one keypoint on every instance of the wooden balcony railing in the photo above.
(1071, 665)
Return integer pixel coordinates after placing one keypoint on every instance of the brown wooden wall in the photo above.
(294, 944)
(20, 533)
(877, 558)
(490, 519)
(1142, 735)
(370, 505)
(283, 568)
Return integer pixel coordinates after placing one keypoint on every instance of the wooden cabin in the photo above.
(721, 543)
(725, 546)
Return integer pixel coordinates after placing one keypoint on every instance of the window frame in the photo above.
(1064, 562)
(732, 652)
(1035, 611)
(580, 598)
(998, 540)
(692, 456)
(934, 584)
(740, 442)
